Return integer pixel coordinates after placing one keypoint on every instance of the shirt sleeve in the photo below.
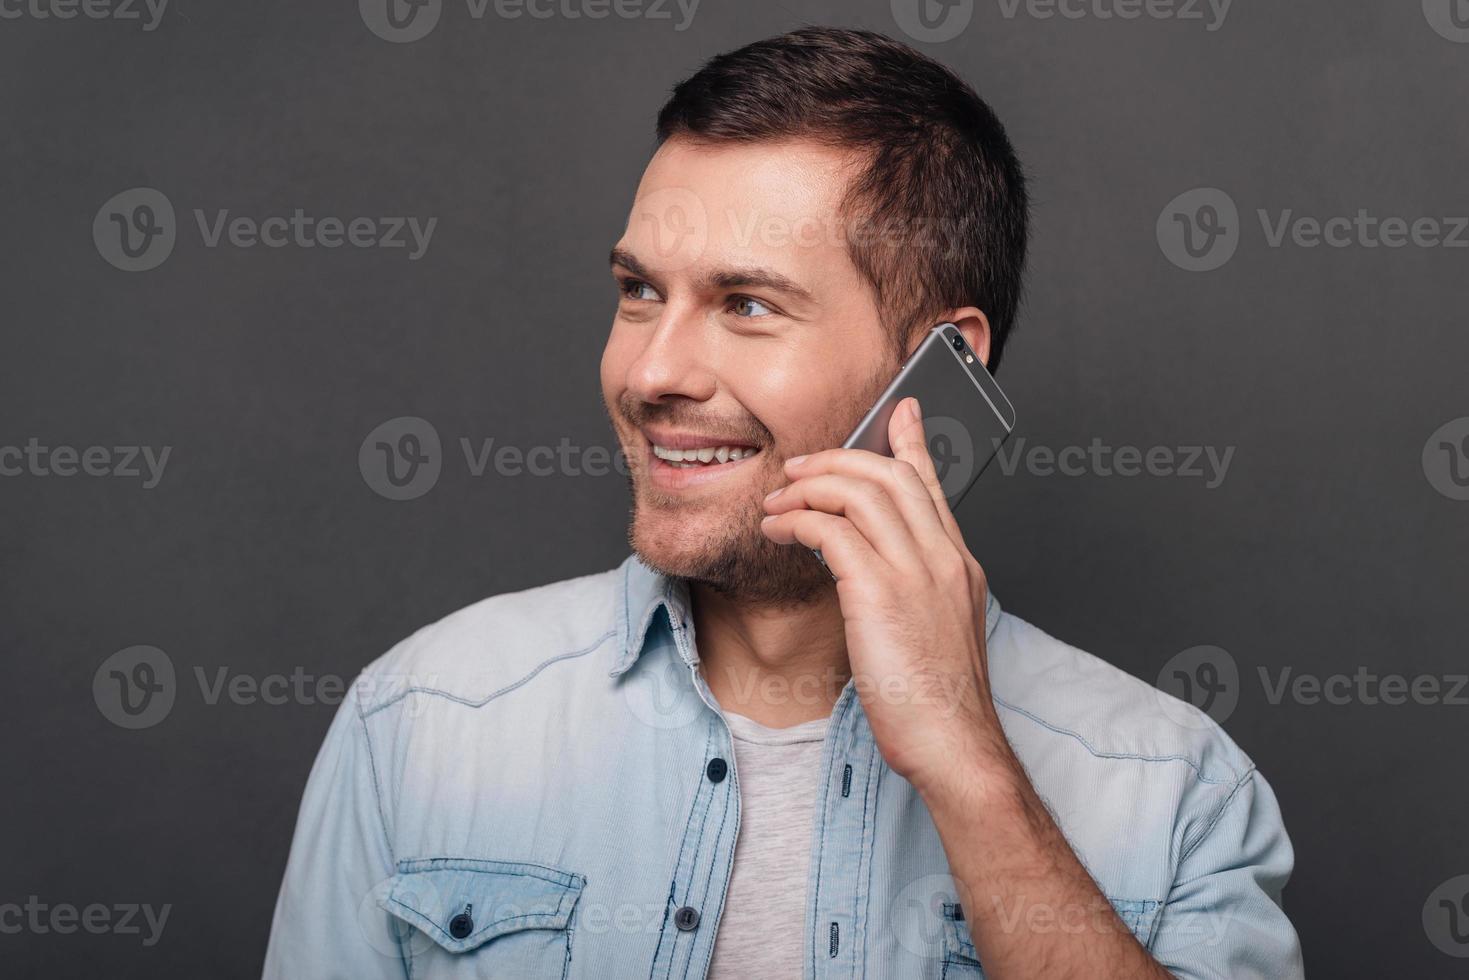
(1224, 918)
(327, 920)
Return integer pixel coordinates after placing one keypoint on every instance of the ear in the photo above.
(975, 327)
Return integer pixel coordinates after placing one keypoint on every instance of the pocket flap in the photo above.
(1137, 916)
(462, 903)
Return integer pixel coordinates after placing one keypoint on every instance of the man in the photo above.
(714, 760)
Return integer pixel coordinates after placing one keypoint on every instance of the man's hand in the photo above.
(913, 600)
(912, 596)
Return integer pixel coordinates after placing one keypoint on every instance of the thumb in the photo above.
(907, 438)
(909, 441)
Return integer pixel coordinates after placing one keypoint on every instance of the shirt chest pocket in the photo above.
(462, 917)
(961, 962)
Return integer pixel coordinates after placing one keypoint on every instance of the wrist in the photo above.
(981, 773)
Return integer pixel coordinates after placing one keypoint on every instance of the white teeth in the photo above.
(707, 454)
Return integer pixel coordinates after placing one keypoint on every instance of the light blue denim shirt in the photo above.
(524, 789)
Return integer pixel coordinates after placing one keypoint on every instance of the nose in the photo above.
(677, 359)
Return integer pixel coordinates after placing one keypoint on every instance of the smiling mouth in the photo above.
(702, 458)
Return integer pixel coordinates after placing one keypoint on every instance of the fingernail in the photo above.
(774, 493)
(767, 518)
(916, 412)
(795, 460)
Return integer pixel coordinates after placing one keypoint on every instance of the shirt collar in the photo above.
(643, 590)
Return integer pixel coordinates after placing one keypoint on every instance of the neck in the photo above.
(778, 665)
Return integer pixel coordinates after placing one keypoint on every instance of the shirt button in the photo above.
(717, 770)
(461, 925)
(686, 918)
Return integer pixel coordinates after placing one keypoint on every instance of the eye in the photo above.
(636, 289)
(745, 306)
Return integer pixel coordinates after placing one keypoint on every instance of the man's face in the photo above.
(742, 324)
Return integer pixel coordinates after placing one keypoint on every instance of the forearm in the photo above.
(1033, 911)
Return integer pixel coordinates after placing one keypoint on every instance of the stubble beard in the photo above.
(740, 563)
(733, 556)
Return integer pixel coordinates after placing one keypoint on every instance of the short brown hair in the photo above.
(939, 164)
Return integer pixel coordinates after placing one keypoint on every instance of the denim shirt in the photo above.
(542, 785)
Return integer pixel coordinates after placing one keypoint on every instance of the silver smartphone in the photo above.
(966, 417)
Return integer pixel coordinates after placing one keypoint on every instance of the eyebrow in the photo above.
(621, 256)
(723, 278)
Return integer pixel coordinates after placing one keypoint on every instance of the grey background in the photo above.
(264, 550)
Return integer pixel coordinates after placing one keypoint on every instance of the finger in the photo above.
(865, 503)
(910, 444)
(846, 552)
(907, 490)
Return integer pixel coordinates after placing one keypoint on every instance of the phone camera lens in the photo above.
(959, 343)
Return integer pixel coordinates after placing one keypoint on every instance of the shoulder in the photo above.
(497, 644)
(1054, 697)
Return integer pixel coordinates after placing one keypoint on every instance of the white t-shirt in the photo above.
(762, 931)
